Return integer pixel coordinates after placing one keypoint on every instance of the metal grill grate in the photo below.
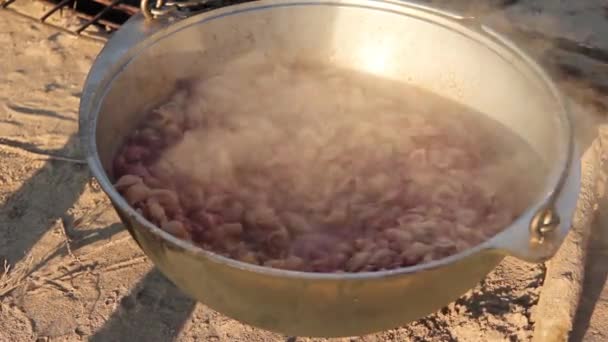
(111, 14)
(108, 14)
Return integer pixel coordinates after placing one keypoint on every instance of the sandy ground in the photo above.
(71, 271)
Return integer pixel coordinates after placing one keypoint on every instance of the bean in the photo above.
(120, 164)
(422, 228)
(428, 258)
(294, 263)
(473, 236)
(236, 247)
(164, 172)
(127, 181)
(230, 229)
(344, 248)
(249, 257)
(262, 217)
(382, 258)
(177, 229)
(156, 211)
(400, 235)
(337, 216)
(380, 243)
(322, 264)
(379, 183)
(358, 261)
(167, 198)
(275, 263)
(135, 153)
(149, 137)
(439, 159)
(367, 212)
(407, 219)
(418, 156)
(467, 217)
(278, 241)
(137, 193)
(364, 244)
(296, 224)
(172, 133)
(338, 260)
(407, 258)
(206, 219)
(445, 246)
(391, 196)
(153, 182)
(289, 263)
(234, 212)
(191, 197)
(421, 193)
(227, 241)
(216, 202)
(419, 249)
(137, 169)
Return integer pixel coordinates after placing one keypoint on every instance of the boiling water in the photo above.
(299, 158)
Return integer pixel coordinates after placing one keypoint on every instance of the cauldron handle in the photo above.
(537, 235)
(163, 8)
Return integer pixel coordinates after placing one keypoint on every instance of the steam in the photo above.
(273, 162)
(276, 162)
(310, 129)
(566, 37)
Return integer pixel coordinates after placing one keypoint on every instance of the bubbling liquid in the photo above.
(307, 167)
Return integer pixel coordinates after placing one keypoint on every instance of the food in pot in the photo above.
(305, 167)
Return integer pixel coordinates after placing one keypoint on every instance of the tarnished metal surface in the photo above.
(141, 63)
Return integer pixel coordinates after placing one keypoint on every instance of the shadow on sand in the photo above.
(155, 310)
(33, 209)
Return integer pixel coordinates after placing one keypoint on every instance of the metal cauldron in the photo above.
(447, 54)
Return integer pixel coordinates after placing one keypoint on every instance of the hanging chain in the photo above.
(153, 9)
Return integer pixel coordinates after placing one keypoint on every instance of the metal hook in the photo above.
(543, 224)
(148, 11)
(165, 7)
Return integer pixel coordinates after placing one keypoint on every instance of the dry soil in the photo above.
(71, 272)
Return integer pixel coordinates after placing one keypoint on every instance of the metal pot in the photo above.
(447, 54)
